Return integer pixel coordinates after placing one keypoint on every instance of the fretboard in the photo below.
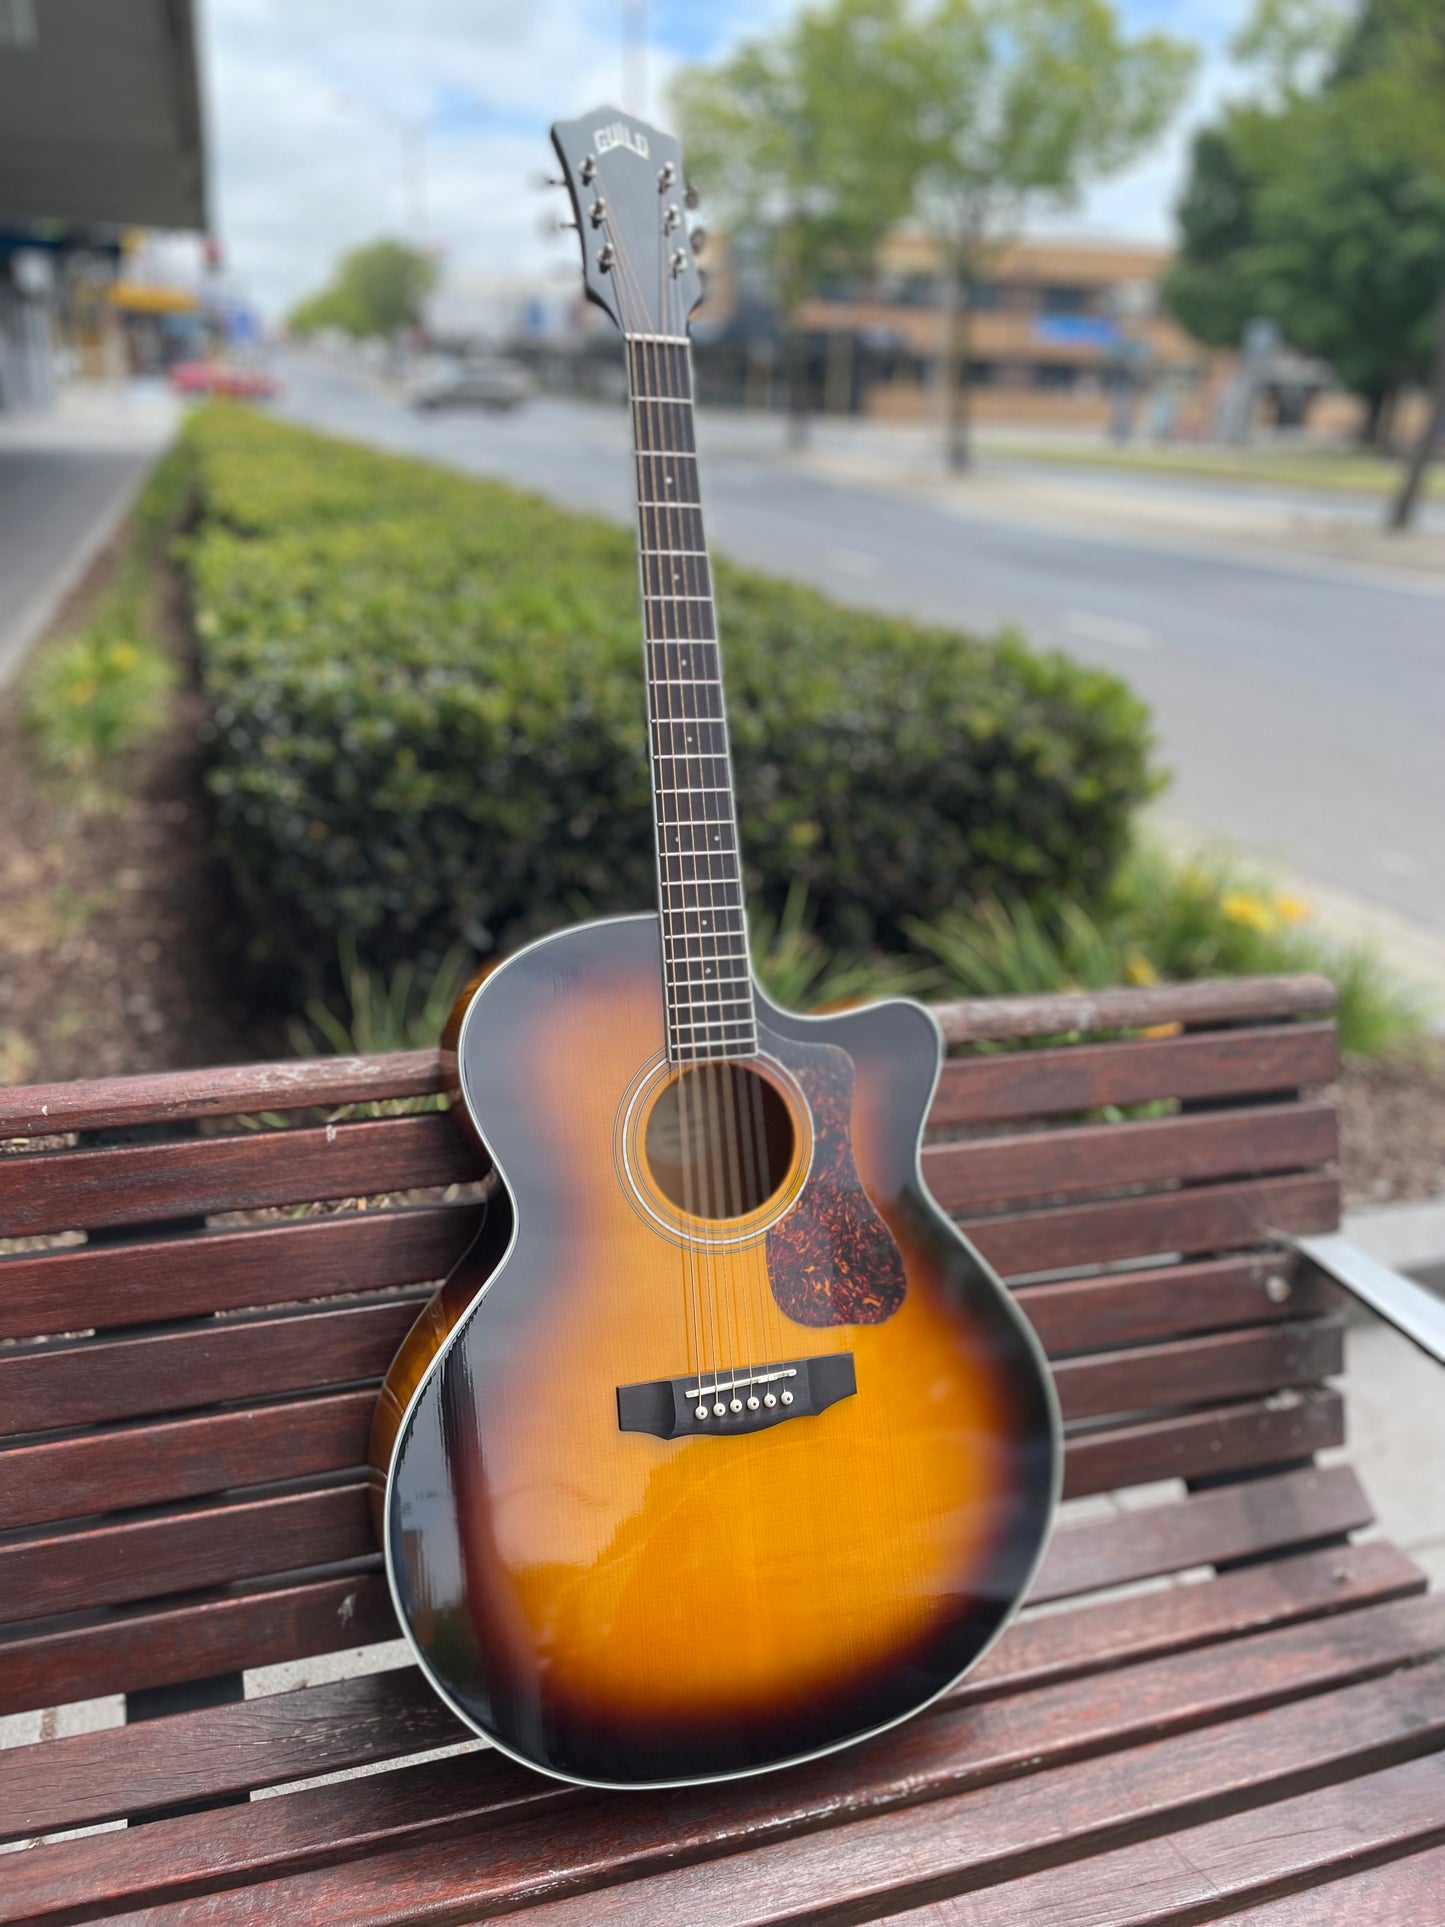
(700, 891)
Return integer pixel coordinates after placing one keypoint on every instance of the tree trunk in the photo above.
(1402, 510)
(953, 368)
(797, 388)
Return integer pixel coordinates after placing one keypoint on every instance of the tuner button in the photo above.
(606, 257)
(588, 169)
(678, 261)
(698, 237)
(691, 195)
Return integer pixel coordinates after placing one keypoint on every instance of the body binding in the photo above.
(624, 1608)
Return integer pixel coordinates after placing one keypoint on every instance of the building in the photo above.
(100, 131)
(1054, 334)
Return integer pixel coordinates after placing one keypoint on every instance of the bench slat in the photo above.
(1234, 1000)
(1096, 1157)
(147, 1465)
(160, 1645)
(202, 1364)
(1280, 1430)
(277, 1737)
(1210, 1218)
(209, 1546)
(1130, 1306)
(1192, 1371)
(925, 1810)
(48, 1191)
(163, 1645)
(74, 1288)
(229, 1090)
(1084, 1077)
(1234, 1522)
(1219, 1864)
(1400, 1893)
(255, 1359)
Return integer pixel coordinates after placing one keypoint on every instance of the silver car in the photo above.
(478, 381)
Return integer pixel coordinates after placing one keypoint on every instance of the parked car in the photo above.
(223, 378)
(478, 381)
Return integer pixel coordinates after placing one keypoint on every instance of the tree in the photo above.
(796, 137)
(1322, 203)
(375, 290)
(1017, 104)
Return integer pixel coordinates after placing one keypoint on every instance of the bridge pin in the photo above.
(769, 1398)
(754, 1402)
(701, 1412)
(719, 1410)
(787, 1398)
(735, 1405)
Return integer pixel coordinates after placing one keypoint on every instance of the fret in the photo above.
(726, 1010)
(723, 946)
(687, 682)
(697, 756)
(726, 977)
(679, 612)
(671, 595)
(691, 733)
(674, 658)
(713, 1023)
(673, 572)
(697, 701)
(690, 887)
(663, 431)
(673, 525)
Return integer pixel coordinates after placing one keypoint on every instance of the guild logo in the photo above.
(619, 134)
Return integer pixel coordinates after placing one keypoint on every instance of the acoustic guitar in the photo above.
(722, 1448)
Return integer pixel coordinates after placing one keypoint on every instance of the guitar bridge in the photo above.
(744, 1399)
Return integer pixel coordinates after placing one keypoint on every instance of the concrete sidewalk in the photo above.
(67, 478)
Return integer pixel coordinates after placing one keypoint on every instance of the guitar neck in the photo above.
(700, 890)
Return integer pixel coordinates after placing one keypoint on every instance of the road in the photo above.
(1300, 704)
(66, 479)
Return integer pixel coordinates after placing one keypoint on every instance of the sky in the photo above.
(313, 108)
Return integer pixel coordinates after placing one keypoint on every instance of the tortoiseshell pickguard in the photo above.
(831, 1260)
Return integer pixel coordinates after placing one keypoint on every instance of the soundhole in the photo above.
(720, 1141)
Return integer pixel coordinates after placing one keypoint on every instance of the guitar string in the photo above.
(743, 1273)
(728, 1141)
(687, 1244)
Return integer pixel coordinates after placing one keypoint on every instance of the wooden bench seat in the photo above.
(1219, 1702)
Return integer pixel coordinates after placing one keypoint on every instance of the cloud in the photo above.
(309, 103)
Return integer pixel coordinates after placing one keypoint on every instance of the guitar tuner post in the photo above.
(588, 169)
(598, 211)
(606, 257)
(666, 175)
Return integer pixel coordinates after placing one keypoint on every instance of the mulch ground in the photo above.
(119, 942)
(118, 938)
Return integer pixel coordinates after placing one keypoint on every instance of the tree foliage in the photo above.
(965, 113)
(375, 290)
(1322, 203)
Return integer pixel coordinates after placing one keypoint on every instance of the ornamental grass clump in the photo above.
(92, 699)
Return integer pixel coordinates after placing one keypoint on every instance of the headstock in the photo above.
(627, 188)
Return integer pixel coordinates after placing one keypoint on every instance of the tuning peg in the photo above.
(553, 224)
(691, 195)
(666, 175)
(698, 237)
(598, 211)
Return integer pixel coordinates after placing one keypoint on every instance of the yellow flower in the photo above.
(83, 690)
(124, 655)
(1291, 909)
(1252, 912)
(1139, 970)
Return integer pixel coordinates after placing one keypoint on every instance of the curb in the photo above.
(1408, 1237)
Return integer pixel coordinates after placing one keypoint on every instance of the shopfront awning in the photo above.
(100, 113)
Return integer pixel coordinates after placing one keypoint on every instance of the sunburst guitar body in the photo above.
(722, 1447)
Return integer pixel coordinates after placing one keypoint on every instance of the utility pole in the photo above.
(411, 134)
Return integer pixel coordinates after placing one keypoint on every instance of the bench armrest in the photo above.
(1409, 1307)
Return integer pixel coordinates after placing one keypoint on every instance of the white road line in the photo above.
(1089, 627)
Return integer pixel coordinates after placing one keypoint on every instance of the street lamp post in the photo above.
(411, 135)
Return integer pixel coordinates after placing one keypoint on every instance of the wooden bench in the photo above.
(1219, 1703)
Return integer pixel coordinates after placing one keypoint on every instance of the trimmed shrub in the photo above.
(427, 701)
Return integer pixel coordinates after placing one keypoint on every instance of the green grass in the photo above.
(1331, 470)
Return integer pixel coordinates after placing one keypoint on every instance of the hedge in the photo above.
(427, 706)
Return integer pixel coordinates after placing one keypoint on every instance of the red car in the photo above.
(221, 378)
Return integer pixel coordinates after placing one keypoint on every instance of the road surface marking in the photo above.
(1093, 628)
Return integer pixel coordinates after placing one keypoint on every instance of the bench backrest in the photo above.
(205, 1274)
